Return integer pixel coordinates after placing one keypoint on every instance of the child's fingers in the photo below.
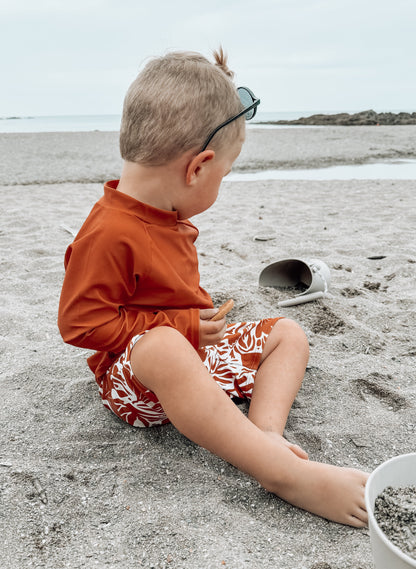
(215, 327)
(211, 332)
(223, 310)
(207, 313)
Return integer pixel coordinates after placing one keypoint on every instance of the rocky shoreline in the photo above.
(369, 117)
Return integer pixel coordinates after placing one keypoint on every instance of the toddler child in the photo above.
(131, 293)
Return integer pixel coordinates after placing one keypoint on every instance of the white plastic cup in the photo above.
(397, 472)
(313, 273)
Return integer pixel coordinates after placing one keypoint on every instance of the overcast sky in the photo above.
(79, 56)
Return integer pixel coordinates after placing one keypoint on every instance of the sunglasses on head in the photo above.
(250, 104)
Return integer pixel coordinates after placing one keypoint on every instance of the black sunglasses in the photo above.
(250, 104)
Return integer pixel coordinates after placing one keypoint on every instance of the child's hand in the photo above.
(210, 331)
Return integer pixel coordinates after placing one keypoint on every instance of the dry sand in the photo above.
(79, 488)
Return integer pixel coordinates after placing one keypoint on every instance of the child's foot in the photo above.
(280, 439)
(329, 491)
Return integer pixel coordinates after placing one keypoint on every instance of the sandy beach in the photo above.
(81, 489)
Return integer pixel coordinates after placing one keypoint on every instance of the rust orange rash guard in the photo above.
(131, 267)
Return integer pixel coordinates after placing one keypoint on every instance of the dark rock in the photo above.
(369, 117)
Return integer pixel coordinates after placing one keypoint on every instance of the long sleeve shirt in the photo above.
(131, 267)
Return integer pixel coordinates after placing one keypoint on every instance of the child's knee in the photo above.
(158, 342)
(155, 354)
(291, 331)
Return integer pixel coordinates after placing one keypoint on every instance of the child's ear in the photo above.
(195, 166)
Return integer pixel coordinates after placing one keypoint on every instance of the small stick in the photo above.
(40, 490)
(223, 310)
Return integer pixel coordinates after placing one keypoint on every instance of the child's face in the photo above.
(206, 193)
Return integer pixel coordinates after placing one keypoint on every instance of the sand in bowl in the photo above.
(395, 512)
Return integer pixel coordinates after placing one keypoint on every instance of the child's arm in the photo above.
(103, 325)
(100, 307)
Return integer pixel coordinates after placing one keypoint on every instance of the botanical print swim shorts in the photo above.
(233, 364)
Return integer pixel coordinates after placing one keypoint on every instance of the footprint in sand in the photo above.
(327, 322)
(378, 386)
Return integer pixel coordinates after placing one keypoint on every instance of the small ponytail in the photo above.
(221, 59)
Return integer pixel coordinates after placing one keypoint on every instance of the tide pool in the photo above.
(394, 170)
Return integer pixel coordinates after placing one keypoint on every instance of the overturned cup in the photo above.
(313, 274)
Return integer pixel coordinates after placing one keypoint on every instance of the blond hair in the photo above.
(174, 104)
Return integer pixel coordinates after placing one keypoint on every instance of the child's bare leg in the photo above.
(279, 378)
(166, 363)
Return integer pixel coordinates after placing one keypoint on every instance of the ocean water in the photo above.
(106, 123)
(61, 123)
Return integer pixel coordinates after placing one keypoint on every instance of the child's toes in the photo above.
(299, 451)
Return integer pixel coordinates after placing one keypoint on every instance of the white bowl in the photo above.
(397, 472)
